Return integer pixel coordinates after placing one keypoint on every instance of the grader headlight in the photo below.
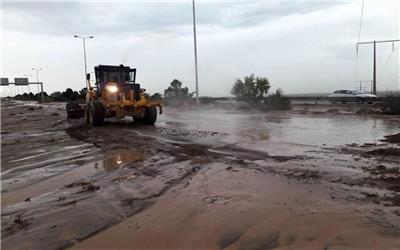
(111, 88)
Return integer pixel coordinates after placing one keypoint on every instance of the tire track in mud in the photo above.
(36, 152)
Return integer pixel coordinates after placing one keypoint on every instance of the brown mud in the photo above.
(395, 138)
(202, 179)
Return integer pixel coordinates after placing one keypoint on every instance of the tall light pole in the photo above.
(84, 51)
(37, 76)
(195, 53)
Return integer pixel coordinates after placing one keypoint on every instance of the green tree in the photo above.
(57, 96)
(176, 84)
(156, 97)
(68, 94)
(251, 89)
(18, 97)
(175, 90)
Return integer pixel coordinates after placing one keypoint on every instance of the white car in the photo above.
(344, 96)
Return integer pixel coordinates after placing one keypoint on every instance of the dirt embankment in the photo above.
(64, 182)
(395, 138)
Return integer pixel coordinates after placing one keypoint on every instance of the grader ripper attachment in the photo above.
(115, 94)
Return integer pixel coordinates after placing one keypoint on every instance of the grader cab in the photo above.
(116, 94)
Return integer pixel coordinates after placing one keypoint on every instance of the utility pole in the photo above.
(374, 64)
(195, 53)
(84, 53)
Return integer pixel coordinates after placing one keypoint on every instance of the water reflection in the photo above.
(285, 127)
(118, 158)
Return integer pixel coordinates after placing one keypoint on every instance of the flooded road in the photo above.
(245, 128)
(206, 179)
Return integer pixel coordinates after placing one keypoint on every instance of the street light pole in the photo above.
(84, 52)
(195, 53)
(84, 56)
(374, 70)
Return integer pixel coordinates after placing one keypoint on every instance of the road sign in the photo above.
(4, 82)
(21, 81)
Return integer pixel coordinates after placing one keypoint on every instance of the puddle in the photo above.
(118, 158)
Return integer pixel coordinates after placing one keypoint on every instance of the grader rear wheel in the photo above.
(74, 110)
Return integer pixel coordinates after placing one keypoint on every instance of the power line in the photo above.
(359, 37)
(387, 72)
(361, 20)
(387, 60)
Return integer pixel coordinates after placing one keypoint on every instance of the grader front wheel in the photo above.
(96, 113)
(150, 115)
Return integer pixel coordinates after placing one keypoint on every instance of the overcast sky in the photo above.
(300, 46)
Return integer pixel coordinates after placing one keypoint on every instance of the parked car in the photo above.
(344, 96)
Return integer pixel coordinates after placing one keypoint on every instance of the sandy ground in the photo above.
(315, 177)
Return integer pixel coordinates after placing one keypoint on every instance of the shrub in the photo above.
(391, 105)
(277, 101)
(251, 89)
(156, 97)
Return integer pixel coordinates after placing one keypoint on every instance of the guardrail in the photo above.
(326, 98)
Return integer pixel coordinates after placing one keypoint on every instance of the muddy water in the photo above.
(118, 158)
(261, 128)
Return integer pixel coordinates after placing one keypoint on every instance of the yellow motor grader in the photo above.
(115, 94)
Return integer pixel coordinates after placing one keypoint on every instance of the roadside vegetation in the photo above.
(391, 105)
(31, 96)
(253, 90)
(67, 95)
(176, 95)
(277, 101)
(157, 97)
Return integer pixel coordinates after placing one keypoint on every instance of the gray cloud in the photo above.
(300, 46)
(60, 18)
